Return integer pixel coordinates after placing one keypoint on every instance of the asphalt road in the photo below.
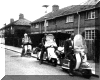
(16, 65)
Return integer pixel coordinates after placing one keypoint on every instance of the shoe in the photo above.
(70, 74)
(22, 55)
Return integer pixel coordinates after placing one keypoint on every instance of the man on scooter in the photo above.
(25, 41)
(43, 49)
(69, 51)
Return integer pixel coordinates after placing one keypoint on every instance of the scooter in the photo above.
(81, 65)
(49, 56)
(27, 50)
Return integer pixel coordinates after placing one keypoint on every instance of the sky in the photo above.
(32, 9)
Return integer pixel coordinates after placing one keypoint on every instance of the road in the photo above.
(16, 65)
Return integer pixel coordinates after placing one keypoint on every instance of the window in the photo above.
(91, 15)
(90, 34)
(69, 19)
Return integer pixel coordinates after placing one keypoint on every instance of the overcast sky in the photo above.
(32, 9)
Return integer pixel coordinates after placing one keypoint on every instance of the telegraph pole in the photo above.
(78, 22)
(45, 26)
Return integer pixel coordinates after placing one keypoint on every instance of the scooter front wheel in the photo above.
(54, 61)
(29, 54)
(23, 53)
(38, 58)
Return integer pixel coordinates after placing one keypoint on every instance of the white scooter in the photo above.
(50, 55)
(81, 65)
(27, 50)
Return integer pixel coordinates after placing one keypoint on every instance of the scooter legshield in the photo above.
(51, 53)
(78, 60)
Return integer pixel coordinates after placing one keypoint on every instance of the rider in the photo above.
(43, 49)
(69, 51)
(25, 41)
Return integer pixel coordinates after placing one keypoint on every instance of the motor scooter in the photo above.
(50, 53)
(81, 64)
(27, 50)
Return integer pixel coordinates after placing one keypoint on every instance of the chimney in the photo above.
(21, 16)
(11, 20)
(55, 8)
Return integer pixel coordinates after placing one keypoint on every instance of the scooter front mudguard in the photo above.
(78, 60)
(51, 53)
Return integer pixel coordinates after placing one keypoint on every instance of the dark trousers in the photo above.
(72, 60)
(42, 53)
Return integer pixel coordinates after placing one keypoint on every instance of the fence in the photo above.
(93, 49)
(13, 41)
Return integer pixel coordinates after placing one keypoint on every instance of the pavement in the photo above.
(16, 49)
(95, 66)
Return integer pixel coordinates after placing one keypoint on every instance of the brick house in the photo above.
(68, 19)
(15, 30)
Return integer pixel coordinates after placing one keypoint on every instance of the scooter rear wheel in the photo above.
(86, 73)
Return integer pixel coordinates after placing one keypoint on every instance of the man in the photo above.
(43, 49)
(69, 51)
(25, 41)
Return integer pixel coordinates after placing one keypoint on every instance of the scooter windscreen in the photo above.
(50, 41)
(79, 41)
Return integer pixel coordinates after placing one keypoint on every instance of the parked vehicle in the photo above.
(50, 55)
(28, 49)
(26, 45)
(81, 64)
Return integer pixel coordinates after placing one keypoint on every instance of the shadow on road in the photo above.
(15, 56)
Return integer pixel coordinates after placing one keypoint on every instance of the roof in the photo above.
(65, 11)
(52, 15)
(20, 22)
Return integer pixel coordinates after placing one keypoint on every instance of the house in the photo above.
(2, 32)
(83, 19)
(14, 31)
